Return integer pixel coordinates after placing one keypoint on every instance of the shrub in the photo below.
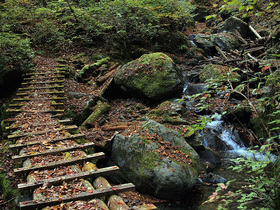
(15, 55)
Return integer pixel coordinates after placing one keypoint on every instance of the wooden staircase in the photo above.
(47, 145)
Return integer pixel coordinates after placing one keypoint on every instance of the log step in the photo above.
(43, 87)
(12, 120)
(53, 151)
(41, 93)
(70, 127)
(40, 99)
(83, 196)
(42, 78)
(58, 180)
(65, 121)
(47, 72)
(22, 104)
(18, 146)
(43, 82)
(35, 111)
(60, 163)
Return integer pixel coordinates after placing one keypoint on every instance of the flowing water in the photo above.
(233, 142)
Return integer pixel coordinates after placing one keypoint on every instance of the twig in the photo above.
(221, 53)
(7, 201)
(254, 201)
(270, 35)
(240, 37)
(255, 32)
(256, 60)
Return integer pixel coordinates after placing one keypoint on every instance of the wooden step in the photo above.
(72, 137)
(58, 180)
(83, 196)
(70, 127)
(35, 111)
(72, 161)
(23, 104)
(40, 99)
(47, 72)
(42, 78)
(43, 87)
(43, 82)
(65, 121)
(53, 151)
(41, 93)
(14, 119)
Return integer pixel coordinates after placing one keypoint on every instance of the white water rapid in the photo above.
(231, 139)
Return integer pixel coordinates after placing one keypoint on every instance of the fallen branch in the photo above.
(255, 32)
(221, 53)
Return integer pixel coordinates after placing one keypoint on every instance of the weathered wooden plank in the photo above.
(83, 196)
(12, 120)
(60, 163)
(65, 121)
(42, 78)
(18, 146)
(47, 72)
(40, 99)
(57, 180)
(70, 127)
(22, 104)
(42, 87)
(35, 111)
(53, 151)
(43, 82)
(41, 93)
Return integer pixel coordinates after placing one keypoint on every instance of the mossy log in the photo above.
(99, 110)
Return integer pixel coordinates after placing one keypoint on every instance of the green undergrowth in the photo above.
(121, 27)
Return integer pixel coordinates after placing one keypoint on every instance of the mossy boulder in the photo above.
(153, 76)
(218, 74)
(225, 41)
(169, 112)
(157, 160)
(233, 24)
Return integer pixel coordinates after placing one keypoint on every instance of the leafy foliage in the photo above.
(247, 8)
(263, 182)
(116, 25)
(15, 55)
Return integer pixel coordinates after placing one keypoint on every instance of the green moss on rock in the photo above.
(8, 191)
(99, 109)
(153, 76)
(218, 74)
(147, 157)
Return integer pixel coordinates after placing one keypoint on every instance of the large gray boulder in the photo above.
(233, 24)
(225, 41)
(157, 160)
(153, 76)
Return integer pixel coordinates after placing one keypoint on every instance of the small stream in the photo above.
(229, 143)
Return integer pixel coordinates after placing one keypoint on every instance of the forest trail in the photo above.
(50, 152)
